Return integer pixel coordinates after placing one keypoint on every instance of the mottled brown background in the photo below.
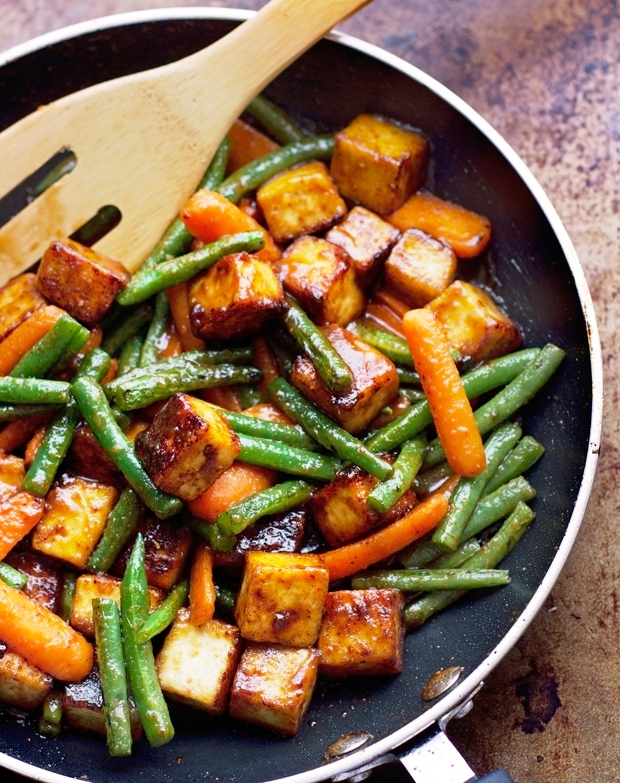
(546, 74)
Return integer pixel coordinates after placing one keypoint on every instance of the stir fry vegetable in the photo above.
(284, 442)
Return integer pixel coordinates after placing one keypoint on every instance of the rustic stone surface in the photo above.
(547, 76)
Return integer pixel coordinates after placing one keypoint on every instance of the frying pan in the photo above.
(533, 272)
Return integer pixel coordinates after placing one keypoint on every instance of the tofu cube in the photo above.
(273, 686)
(21, 684)
(419, 268)
(45, 577)
(379, 164)
(234, 298)
(197, 663)
(473, 323)
(367, 239)
(12, 472)
(80, 280)
(188, 445)
(303, 200)
(91, 586)
(167, 547)
(340, 511)
(75, 514)
(320, 275)
(375, 381)
(19, 298)
(362, 633)
(281, 598)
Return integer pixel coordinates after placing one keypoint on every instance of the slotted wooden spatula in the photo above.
(143, 141)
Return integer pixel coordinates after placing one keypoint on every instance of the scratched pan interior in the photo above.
(530, 275)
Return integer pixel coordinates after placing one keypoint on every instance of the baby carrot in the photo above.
(246, 144)
(201, 587)
(179, 308)
(27, 334)
(442, 385)
(42, 637)
(351, 558)
(19, 512)
(234, 485)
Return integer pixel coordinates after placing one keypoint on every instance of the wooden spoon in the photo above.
(143, 141)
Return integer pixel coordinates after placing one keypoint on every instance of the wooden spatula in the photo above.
(143, 141)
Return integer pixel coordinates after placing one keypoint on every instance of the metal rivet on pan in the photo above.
(346, 744)
(440, 682)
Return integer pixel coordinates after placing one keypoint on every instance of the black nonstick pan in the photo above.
(532, 270)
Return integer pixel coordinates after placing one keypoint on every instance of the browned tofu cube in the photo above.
(340, 511)
(88, 459)
(375, 381)
(80, 280)
(91, 586)
(188, 445)
(275, 533)
(22, 684)
(321, 277)
(379, 164)
(197, 663)
(273, 686)
(362, 633)
(367, 239)
(281, 598)
(12, 472)
(419, 268)
(303, 200)
(235, 298)
(167, 546)
(19, 298)
(44, 577)
(473, 323)
(75, 514)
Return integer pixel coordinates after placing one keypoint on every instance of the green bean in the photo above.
(491, 375)
(275, 121)
(157, 328)
(287, 459)
(325, 430)
(150, 702)
(456, 559)
(59, 433)
(33, 391)
(429, 480)
(328, 362)
(13, 412)
(36, 362)
(390, 345)
(111, 661)
(145, 390)
(431, 579)
(211, 533)
(420, 553)
(183, 268)
(165, 614)
(488, 556)
(129, 356)
(291, 434)
(525, 454)
(284, 358)
(247, 395)
(274, 500)
(71, 352)
(468, 491)
(404, 471)
(498, 504)
(50, 721)
(200, 358)
(177, 238)
(512, 397)
(125, 326)
(66, 594)
(120, 449)
(120, 524)
(65, 165)
(413, 395)
(225, 598)
(11, 576)
(252, 175)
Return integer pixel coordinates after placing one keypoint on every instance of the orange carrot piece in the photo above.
(466, 232)
(42, 637)
(17, 432)
(19, 513)
(246, 144)
(222, 396)
(170, 344)
(265, 361)
(234, 485)
(201, 587)
(351, 558)
(268, 412)
(179, 308)
(451, 410)
(33, 446)
(209, 216)
(27, 334)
